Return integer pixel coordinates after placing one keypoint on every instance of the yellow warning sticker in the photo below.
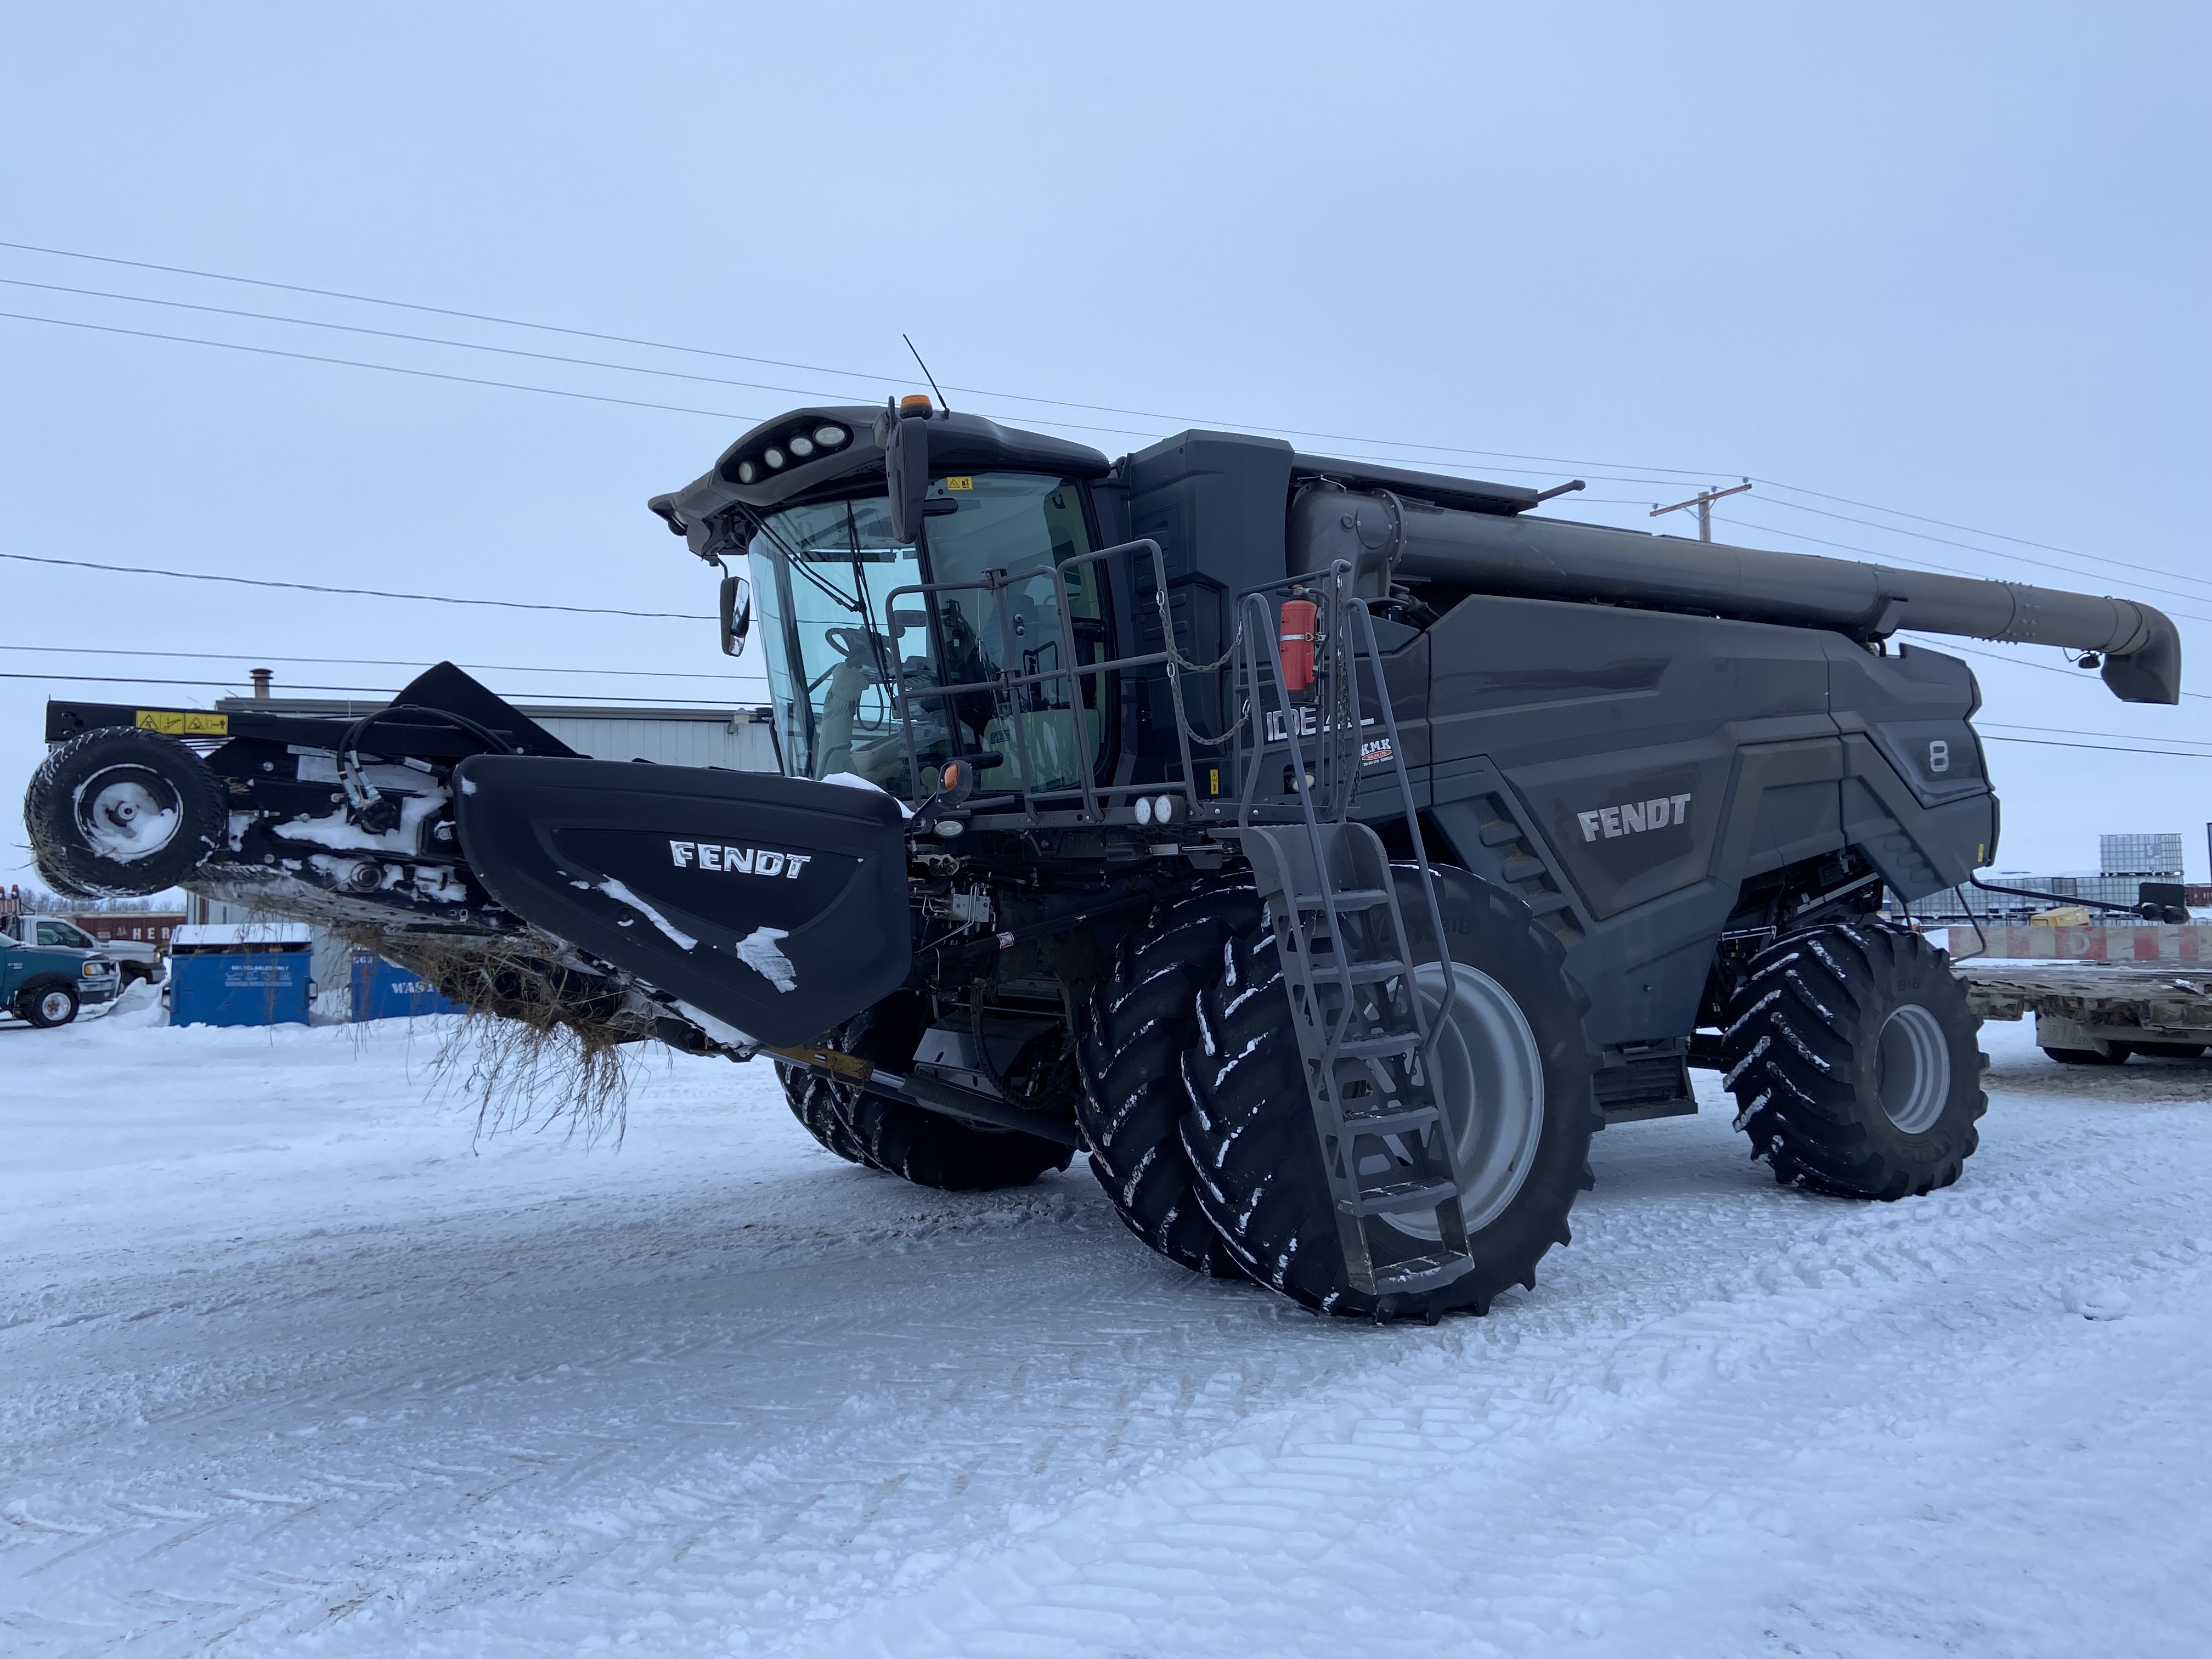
(960, 481)
(183, 723)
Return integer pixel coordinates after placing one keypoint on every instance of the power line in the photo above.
(1923, 564)
(776, 362)
(364, 690)
(417, 339)
(356, 592)
(251, 657)
(388, 369)
(2070, 731)
(661, 345)
(2102, 748)
(438, 311)
(1940, 643)
(1990, 552)
(1918, 518)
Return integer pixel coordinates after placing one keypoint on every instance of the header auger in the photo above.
(1326, 849)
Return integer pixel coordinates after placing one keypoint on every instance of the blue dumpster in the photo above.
(384, 990)
(245, 973)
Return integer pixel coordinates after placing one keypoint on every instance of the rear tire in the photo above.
(48, 1005)
(122, 811)
(1139, 1021)
(2169, 1050)
(812, 1103)
(1852, 1054)
(928, 1148)
(2112, 1054)
(1518, 1022)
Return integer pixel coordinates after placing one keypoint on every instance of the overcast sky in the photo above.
(1946, 261)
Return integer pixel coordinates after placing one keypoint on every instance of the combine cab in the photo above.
(1326, 849)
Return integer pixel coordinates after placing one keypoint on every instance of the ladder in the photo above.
(1363, 1034)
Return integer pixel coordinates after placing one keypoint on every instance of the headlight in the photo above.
(802, 447)
(747, 472)
(98, 969)
(773, 457)
(829, 436)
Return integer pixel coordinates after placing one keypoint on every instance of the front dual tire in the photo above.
(1513, 1073)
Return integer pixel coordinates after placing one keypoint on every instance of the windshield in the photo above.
(852, 662)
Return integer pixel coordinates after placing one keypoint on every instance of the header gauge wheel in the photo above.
(121, 810)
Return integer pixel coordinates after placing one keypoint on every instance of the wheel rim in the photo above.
(54, 1004)
(1913, 1068)
(1490, 1078)
(126, 813)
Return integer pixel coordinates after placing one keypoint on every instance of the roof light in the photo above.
(801, 447)
(914, 403)
(773, 457)
(830, 436)
(747, 472)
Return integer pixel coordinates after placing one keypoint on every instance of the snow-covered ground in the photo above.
(290, 1362)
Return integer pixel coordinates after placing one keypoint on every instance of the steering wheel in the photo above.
(856, 645)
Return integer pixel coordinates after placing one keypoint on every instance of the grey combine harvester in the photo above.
(1326, 849)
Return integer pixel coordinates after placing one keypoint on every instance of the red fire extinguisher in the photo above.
(1301, 619)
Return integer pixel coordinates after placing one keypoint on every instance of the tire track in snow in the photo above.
(879, 1406)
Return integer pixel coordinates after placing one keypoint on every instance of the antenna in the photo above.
(927, 376)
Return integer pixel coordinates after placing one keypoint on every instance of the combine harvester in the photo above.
(1326, 849)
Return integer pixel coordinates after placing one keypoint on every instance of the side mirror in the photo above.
(737, 615)
(905, 439)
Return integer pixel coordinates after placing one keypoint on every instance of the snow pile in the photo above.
(297, 1363)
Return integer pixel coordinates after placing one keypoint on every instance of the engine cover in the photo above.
(777, 905)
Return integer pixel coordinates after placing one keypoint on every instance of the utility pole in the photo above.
(1703, 501)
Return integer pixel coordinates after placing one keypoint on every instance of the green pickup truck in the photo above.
(46, 983)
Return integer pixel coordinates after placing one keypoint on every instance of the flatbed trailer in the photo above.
(2098, 1013)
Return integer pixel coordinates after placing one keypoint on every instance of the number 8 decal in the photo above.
(1939, 755)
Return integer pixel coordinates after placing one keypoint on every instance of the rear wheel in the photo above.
(2112, 1054)
(928, 1148)
(1513, 1070)
(808, 1095)
(123, 810)
(1140, 1020)
(1852, 1055)
(47, 1005)
(2171, 1050)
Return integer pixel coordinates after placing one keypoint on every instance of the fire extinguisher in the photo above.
(1301, 619)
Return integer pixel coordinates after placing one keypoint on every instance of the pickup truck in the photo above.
(48, 983)
(134, 959)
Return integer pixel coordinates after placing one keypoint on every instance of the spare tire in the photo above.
(123, 811)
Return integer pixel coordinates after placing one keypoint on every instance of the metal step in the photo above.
(1400, 1196)
(1328, 972)
(1362, 898)
(1378, 1048)
(1422, 1272)
(1396, 1122)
